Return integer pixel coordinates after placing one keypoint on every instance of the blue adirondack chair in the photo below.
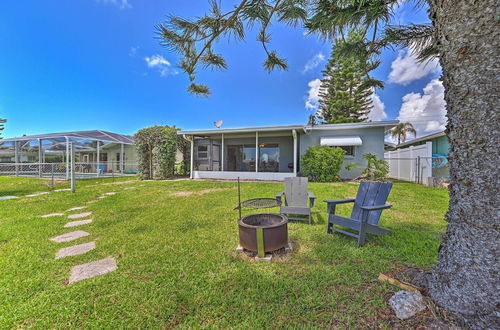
(368, 206)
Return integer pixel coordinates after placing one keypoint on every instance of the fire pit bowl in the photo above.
(263, 232)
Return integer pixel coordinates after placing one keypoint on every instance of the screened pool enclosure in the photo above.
(97, 153)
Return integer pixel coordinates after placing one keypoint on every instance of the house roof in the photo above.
(305, 128)
(96, 135)
(421, 139)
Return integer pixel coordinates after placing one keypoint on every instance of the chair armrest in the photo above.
(331, 204)
(375, 207)
(279, 196)
(312, 198)
(340, 201)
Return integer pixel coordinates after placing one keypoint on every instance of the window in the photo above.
(349, 150)
(202, 152)
(269, 157)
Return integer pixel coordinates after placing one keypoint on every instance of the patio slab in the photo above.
(76, 208)
(79, 215)
(69, 236)
(92, 269)
(77, 223)
(75, 250)
(52, 215)
(37, 194)
(8, 197)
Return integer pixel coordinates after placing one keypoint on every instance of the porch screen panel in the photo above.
(269, 157)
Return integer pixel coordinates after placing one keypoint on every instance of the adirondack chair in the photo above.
(296, 196)
(368, 206)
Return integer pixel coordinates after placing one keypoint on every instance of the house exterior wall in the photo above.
(373, 142)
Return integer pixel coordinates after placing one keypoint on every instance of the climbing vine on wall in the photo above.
(156, 148)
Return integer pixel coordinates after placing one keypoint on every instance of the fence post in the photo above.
(412, 165)
(72, 167)
(52, 170)
(16, 156)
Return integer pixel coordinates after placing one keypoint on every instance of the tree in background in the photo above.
(346, 88)
(464, 34)
(2, 122)
(401, 131)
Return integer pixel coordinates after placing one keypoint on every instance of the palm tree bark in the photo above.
(465, 279)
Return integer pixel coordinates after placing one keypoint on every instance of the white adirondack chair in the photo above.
(296, 199)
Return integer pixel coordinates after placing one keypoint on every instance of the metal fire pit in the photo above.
(263, 232)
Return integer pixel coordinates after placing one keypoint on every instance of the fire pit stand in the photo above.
(261, 232)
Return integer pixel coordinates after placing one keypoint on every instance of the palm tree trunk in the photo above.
(465, 279)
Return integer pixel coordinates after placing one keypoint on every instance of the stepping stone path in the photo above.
(52, 215)
(92, 269)
(79, 215)
(75, 250)
(76, 208)
(8, 197)
(65, 189)
(37, 194)
(69, 236)
(77, 223)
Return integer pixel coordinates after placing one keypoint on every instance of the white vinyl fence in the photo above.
(411, 164)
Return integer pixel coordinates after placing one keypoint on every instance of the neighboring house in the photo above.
(274, 152)
(423, 160)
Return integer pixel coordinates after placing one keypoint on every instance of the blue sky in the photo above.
(95, 64)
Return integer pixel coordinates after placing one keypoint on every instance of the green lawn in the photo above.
(177, 266)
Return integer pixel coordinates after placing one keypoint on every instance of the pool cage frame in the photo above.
(64, 144)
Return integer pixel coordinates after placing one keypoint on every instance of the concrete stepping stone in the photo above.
(79, 215)
(75, 250)
(69, 236)
(77, 223)
(110, 193)
(37, 194)
(65, 189)
(52, 215)
(8, 197)
(90, 202)
(92, 269)
(76, 208)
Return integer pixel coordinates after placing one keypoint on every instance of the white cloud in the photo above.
(313, 62)
(161, 64)
(377, 112)
(406, 68)
(427, 111)
(312, 101)
(122, 4)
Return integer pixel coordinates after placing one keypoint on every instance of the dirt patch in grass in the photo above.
(201, 192)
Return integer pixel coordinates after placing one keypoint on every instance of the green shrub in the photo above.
(322, 163)
(376, 169)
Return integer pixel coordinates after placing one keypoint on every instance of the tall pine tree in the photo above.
(346, 88)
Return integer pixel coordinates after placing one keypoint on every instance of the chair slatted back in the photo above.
(296, 192)
(371, 194)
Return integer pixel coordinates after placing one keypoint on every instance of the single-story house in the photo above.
(274, 152)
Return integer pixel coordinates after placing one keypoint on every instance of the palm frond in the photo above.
(419, 38)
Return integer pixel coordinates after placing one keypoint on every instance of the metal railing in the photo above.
(62, 170)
